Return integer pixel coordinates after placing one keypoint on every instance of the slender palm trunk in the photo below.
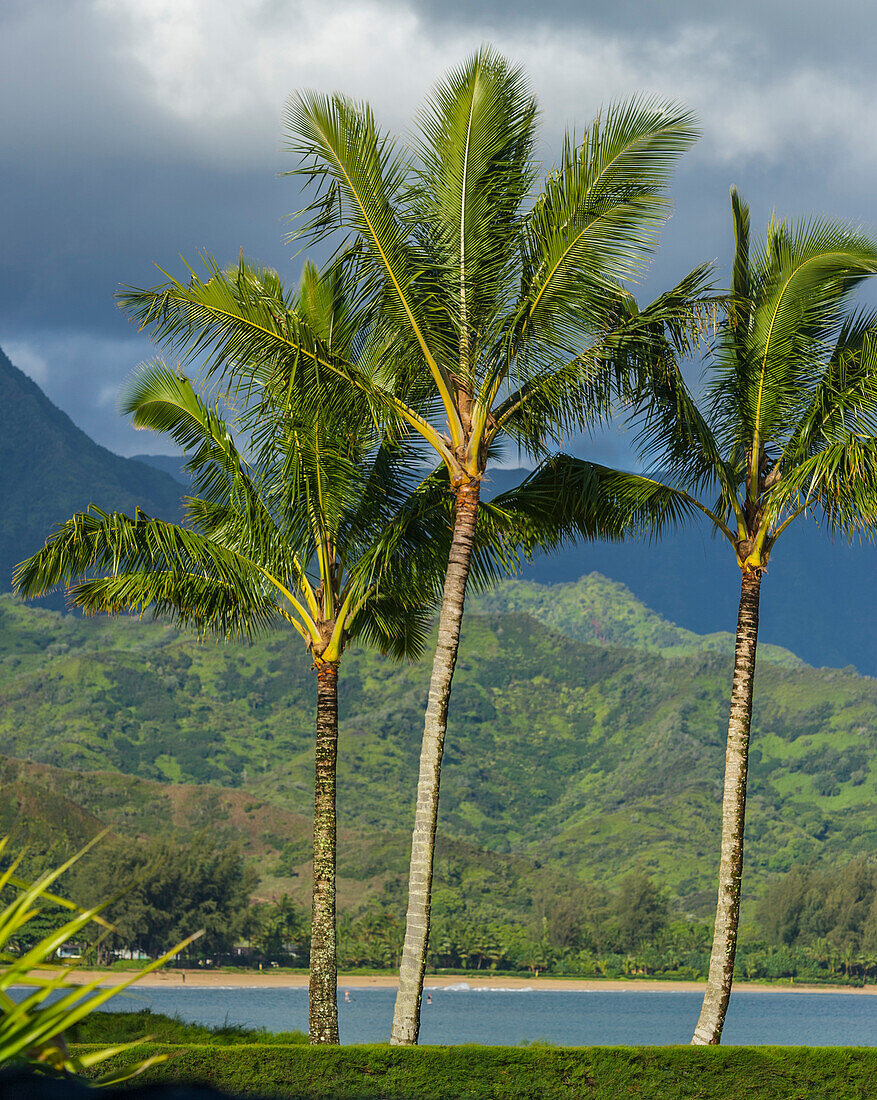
(721, 973)
(323, 986)
(406, 1016)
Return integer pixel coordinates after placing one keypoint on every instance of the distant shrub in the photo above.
(122, 1027)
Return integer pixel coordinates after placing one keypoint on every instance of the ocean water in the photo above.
(465, 1014)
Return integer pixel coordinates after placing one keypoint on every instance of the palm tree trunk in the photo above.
(721, 972)
(406, 1015)
(323, 986)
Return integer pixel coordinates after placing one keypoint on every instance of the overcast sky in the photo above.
(136, 131)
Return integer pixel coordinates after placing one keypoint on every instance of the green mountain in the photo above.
(575, 759)
(175, 465)
(602, 612)
(55, 811)
(52, 469)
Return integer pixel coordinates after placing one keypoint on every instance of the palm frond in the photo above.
(740, 299)
(597, 218)
(397, 631)
(164, 400)
(113, 544)
(634, 352)
(844, 394)
(674, 436)
(475, 170)
(254, 340)
(800, 279)
(241, 325)
(838, 484)
(569, 499)
(206, 605)
(358, 176)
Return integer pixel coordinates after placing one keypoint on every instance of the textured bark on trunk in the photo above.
(721, 972)
(323, 985)
(406, 1016)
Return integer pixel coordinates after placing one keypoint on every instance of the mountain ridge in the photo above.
(818, 598)
(52, 469)
(600, 611)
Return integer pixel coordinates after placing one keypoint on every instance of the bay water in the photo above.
(463, 1014)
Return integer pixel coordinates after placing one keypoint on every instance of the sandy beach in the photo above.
(266, 979)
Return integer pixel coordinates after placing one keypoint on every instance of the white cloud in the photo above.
(222, 71)
(135, 129)
(219, 72)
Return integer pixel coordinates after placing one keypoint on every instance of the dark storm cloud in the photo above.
(137, 130)
(799, 30)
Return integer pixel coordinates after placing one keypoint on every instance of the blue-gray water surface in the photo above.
(511, 1017)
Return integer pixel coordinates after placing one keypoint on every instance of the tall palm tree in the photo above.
(496, 302)
(319, 526)
(787, 428)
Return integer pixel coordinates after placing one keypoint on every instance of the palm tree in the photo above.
(787, 429)
(497, 306)
(321, 528)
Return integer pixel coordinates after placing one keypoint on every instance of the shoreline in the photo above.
(211, 979)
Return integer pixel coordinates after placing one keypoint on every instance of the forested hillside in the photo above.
(589, 760)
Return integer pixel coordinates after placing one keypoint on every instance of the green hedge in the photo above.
(109, 1028)
(515, 1073)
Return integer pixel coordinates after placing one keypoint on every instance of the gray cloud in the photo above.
(135, 130)
(785, 31)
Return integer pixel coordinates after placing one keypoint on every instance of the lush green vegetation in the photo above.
(169, 889)
(811, 926)
(603, 612)
(832, 911)
(124, 1027)
(588, 760)
(449, 1073)
(548, 893)
(32, 1024)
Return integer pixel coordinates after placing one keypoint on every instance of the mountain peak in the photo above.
(52, 469)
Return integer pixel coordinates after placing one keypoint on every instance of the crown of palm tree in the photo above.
(787, 423)
(492, 307)
(322, 522)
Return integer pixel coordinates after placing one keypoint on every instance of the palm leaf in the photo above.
(358, 176)
(800, 279)
(474, 149)
(598, 216)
